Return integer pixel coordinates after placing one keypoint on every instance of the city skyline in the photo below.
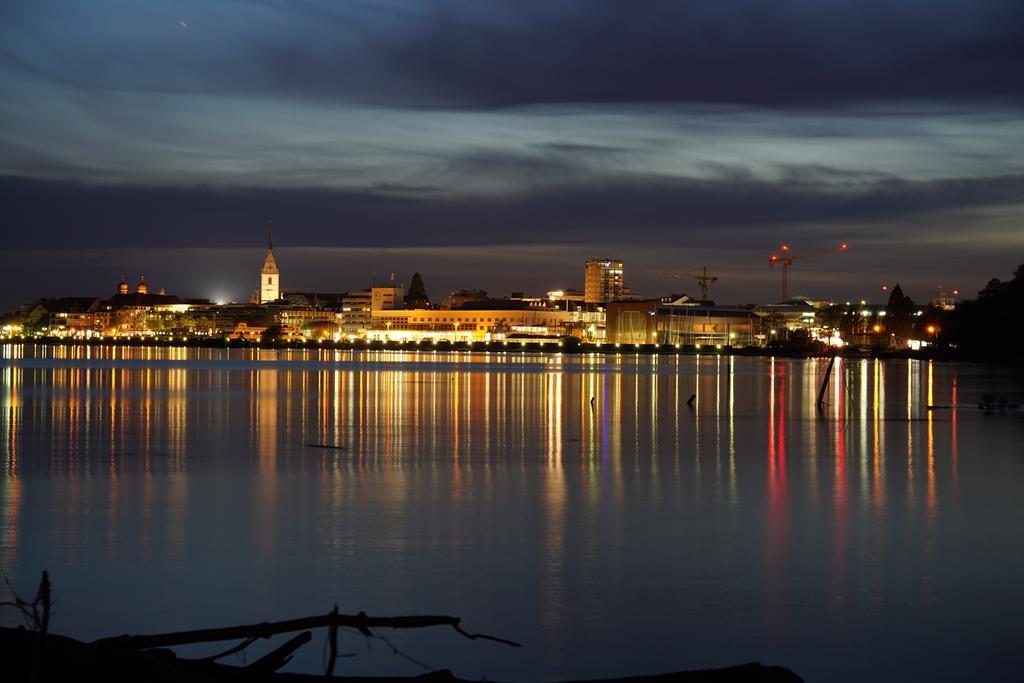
(466, 140)
(591, 340)
(234, 279)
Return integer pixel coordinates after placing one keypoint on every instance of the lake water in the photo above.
(576, 504)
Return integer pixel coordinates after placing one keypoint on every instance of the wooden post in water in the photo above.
(824, 383)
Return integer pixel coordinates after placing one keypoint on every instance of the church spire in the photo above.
(270, 263)
(270, 276)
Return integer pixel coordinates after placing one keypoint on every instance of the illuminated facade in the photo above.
(602, 281)
(270, 277)
(386, 297)
(655, 322)
(468, 324)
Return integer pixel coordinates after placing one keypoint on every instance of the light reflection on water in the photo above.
(580, 504)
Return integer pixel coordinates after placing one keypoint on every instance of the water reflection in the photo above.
(583, 474)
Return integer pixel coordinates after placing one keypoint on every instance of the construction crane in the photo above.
(787, 261)
(702, 278)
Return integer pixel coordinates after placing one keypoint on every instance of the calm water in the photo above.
(577, 505)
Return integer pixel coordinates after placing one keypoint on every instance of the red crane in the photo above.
(787, 261)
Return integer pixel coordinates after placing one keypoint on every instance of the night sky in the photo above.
(498, 145)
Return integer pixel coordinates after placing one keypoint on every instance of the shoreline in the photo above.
(569, 346)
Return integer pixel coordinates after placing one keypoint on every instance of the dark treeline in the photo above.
(992, 324)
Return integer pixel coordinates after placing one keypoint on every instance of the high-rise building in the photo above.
(602, 281)
(270, 276)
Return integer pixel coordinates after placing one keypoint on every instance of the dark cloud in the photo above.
(606, 209)
(481, 53)
(598, 124)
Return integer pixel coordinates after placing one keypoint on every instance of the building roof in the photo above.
(269, 264)
(503, 305)
(69, 304)
(138, 300)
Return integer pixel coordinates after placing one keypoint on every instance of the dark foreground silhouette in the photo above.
(33, 654)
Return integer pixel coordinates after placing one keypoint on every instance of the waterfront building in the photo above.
(355, 311)
(475, 321)
(798, 313)
(270, 276)
(602, 281)
(658, 322)
(67, 315)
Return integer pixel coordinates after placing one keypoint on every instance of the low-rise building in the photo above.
(657, 322)
(66, 315)
(476, 321)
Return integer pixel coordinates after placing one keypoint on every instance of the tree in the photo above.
(271, 335)
(899, 313)
(990, 324)
(417, 296)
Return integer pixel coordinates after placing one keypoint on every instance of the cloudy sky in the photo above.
(499, 144)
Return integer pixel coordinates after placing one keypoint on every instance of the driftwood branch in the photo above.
(332, 637)
(276, 659)
(37, 612)
(361, 622)
(230, 651)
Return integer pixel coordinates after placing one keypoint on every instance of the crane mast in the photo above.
(786, 262)
(702, 278)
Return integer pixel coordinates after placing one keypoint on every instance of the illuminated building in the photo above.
(945, 299)
(68, 315)
(142, 288)
(385, 297)
(658, 322)
(799, 313)
(270, 276)
(602, 281)
(567, 295)
(476, 321)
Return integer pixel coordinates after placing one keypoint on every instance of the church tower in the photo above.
(270, 276)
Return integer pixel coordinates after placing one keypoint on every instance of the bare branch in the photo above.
(361, 622)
